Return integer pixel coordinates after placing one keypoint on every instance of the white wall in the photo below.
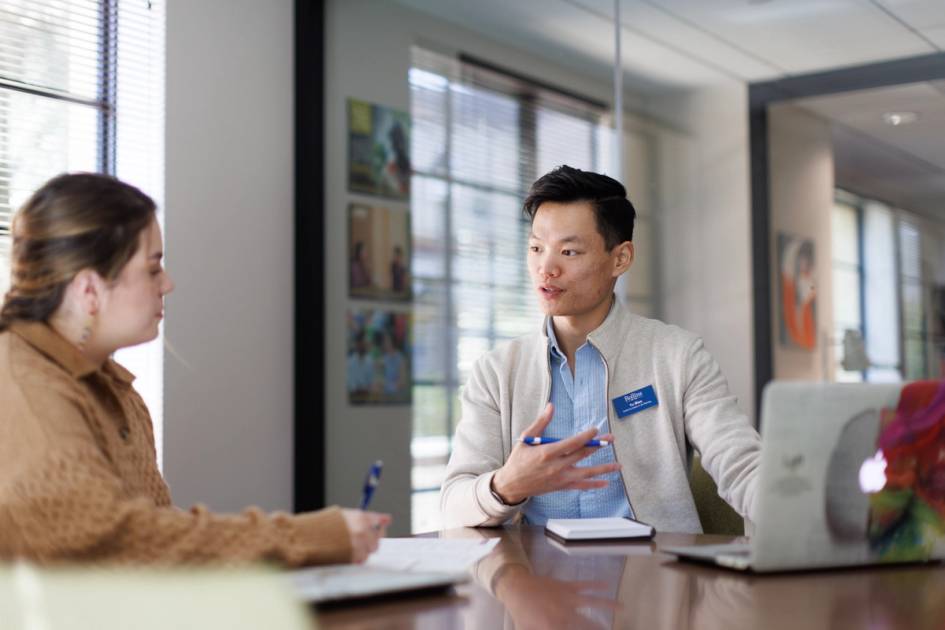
(229, 220)
(802, 193)
(704, 223)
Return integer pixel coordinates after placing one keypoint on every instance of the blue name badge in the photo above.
(631, 403)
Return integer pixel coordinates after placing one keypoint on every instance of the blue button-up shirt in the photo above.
(580, 401)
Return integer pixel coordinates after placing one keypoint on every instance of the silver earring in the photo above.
(86, 333)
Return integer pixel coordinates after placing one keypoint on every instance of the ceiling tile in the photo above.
(876, 154)
(577, 36)
(919, 14)
(651, 21)
(904, 165)
(677, 43)
(805, 35)
(936, 36)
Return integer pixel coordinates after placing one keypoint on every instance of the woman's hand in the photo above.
(365, 530)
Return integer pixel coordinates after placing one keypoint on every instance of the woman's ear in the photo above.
(86, 292)
(624, 258)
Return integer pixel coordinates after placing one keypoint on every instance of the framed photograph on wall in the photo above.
(378, 252)
(378, 150)
(378, 357)
(797, 319)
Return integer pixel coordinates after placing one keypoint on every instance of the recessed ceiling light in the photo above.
(899, 118)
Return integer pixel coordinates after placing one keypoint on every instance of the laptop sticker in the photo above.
(905, 479)
(635, 401)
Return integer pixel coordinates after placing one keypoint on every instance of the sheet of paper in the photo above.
(454, 555)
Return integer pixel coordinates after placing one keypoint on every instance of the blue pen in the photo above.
(373, 478)
(535, 441)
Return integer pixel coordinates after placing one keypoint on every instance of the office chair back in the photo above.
(716, 516)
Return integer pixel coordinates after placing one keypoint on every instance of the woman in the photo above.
(78, 473)
(360, 277)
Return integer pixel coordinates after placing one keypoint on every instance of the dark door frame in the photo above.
(309, 355)
(760, 96)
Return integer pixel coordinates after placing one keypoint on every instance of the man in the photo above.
(593, 370)
(360, 367)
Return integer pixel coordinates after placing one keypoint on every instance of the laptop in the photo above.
(850, 474)
(342, 582)
(422, 564)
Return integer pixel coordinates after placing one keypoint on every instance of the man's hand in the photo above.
(365, 529)
(534, 470)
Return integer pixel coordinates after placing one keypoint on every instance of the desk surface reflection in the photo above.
(531, 581)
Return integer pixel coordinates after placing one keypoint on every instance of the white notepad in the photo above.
(575, 529)
(443, 555)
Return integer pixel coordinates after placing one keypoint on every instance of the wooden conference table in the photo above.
(530, 581)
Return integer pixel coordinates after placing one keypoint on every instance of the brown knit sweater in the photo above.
(79, 478)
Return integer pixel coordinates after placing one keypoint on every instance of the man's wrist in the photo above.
(498, 496)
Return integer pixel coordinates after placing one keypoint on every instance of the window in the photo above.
(50, 101)
(480, 138)
(881, 316)
(912, 303)
(881, 290)
(81, 89)
(847, 282)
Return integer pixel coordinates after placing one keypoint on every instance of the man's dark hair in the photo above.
(607, 197)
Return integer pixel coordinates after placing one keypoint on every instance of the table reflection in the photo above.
(541, 583)
(875, 598)
(531, 581)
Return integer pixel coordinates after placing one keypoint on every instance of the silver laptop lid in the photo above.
(356, 581)
(847, 475)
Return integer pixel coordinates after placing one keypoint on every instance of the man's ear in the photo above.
(623, 258)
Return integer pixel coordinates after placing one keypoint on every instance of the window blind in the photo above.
(80, 83)
(847, 275)
(480, 137)
(880, 310)
(50, 100)
(138, 126)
